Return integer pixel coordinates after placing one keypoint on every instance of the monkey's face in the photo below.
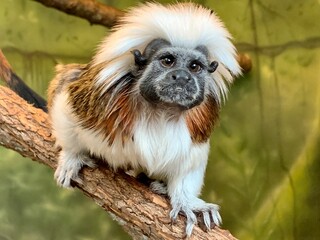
(174, 76)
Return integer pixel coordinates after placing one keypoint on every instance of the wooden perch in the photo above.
(142, 213)
(98, 13)
(91, 10)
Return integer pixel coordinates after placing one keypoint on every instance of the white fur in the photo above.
(184, 190)
(162, 144)
(184, 25)
(159, 145)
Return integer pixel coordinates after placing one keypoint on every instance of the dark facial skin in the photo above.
(173, 76)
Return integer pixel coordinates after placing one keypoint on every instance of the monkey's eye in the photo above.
(168, 61)
(195, 67)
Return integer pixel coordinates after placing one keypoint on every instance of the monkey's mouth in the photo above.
(183, 96)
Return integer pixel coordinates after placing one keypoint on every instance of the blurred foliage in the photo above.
(264, 166)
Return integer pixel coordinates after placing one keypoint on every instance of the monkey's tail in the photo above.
(16, 84)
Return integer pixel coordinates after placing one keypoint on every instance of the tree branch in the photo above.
(91, 10)
(142, 213)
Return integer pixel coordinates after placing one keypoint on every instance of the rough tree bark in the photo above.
(143, 214)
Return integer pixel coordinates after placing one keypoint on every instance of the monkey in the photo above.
(148, 102)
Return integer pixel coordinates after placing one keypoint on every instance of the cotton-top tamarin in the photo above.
(148, 101)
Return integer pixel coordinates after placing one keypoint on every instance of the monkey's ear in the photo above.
(138, 58)
(213, 66)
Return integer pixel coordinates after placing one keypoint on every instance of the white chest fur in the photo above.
(160, 146)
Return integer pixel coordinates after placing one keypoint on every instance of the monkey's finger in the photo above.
(191, 221)
(216, 217)
(207, 220)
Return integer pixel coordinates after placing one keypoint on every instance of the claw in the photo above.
(189, 228)
(191, 221)
(88, 161)
(209, 212)
(206, 219)
(175, 211)
(69, 166)
(159, 187)
(174, 214)
(216, 217)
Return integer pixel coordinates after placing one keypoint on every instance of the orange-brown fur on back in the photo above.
(105, 112)
(64, 75)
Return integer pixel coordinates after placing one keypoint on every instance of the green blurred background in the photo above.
(264, 167)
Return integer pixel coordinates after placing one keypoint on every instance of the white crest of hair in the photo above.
(186, 25)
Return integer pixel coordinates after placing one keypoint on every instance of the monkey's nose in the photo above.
(180, 75)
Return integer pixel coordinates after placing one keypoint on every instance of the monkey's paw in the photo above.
(159, 187)
(69, 167)
(190, 207)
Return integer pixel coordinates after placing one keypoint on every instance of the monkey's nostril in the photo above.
(180, 75)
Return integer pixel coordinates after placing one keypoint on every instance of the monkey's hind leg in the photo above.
(70, 164)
